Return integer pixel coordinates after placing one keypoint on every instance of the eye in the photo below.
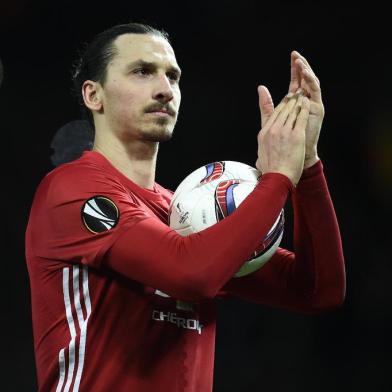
(174, 76)
(142, 71)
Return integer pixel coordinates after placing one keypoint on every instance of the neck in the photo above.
(135, 159)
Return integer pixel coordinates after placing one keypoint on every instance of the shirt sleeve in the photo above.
(57, 229)
(313, 276)
(143, 248)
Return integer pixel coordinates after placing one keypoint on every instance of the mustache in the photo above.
(157, 107)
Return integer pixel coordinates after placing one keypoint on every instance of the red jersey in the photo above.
(121, 302)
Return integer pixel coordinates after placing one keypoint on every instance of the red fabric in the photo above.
(313, 276)
(120, 333)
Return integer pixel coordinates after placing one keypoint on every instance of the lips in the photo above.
(160, 113)
(167, 112)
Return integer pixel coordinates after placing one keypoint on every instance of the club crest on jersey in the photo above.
(224, 198)
(214, 171)
(100, 214)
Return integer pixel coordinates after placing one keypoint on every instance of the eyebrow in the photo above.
(148, 64)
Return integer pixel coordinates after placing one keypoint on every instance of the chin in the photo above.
(158, 135)
(161, 130)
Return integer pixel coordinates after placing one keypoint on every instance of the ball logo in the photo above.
(100, 214)
(224, 199)
(214, 171)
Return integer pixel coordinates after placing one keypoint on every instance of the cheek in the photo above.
(121, 101)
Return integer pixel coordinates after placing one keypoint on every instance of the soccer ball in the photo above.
(211, 193)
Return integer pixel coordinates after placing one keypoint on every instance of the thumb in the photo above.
(266, 104)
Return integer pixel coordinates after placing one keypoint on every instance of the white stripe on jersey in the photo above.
(83, 329)
(73, 347)
(67, 302)
(72, 330)
(71, 326)
(62, 370)
(77, 304)
(71, 363)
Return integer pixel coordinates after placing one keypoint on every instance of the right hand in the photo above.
(281, 141)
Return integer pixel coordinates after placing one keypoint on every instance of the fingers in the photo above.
(296, 55)
(302, 118)
(266, 104)
(308, 80)
(292, 117)
(286, 111)
(271, 119)
(279, 116)
(311, 85)
(295, 77)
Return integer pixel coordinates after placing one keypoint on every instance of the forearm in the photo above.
(317, 241)
(312, 277)
(199, 265)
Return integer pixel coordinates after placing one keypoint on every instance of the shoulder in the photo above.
(79, 170)
(78, 179)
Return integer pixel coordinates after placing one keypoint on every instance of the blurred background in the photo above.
(225, 48)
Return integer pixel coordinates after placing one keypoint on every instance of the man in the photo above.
(120, 301)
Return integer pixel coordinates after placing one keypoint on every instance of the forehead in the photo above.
(147, 47)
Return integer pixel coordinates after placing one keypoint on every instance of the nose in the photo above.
(163, 91)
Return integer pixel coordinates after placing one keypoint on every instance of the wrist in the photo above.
(311, 160)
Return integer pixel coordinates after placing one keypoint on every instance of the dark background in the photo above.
(225, 49)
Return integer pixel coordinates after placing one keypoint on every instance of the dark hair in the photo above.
(92, 64)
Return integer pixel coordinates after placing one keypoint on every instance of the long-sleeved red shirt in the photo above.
(121, 302)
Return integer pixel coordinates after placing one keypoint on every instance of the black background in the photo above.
(225, 50)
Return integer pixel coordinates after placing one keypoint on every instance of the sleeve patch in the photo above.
(100, 214)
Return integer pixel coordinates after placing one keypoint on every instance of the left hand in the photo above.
(303, 77)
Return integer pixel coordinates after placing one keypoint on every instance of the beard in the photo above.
(158, 135)
(161, 130)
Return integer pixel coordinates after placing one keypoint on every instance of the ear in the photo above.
(92, 95)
